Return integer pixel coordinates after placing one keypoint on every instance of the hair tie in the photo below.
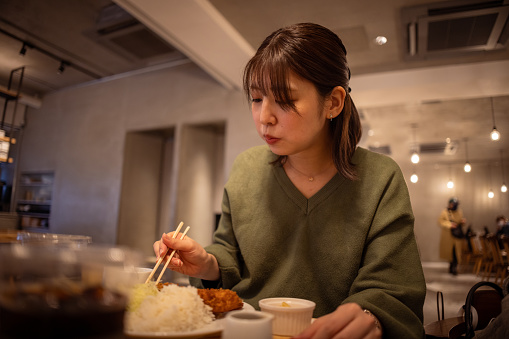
(349, 89)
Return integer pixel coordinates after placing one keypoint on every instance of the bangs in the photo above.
(269, 74)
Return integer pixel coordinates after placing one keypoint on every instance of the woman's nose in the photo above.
(267, 116)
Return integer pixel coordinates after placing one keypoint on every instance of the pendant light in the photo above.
(467, 168)
(415, 156)
(490, 193)
(450, 183)
(503, 188)
(495, 135)
(414, 178)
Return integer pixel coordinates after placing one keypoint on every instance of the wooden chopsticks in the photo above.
(159, 261)
(171, 256)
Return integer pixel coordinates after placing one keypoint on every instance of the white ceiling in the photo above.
(448, 96)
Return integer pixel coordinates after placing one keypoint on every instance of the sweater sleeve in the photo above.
(390, 282)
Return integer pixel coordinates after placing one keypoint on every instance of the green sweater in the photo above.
(352, 241)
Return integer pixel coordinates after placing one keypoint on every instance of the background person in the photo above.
(311, 215)
(502, 226)
(451, 247)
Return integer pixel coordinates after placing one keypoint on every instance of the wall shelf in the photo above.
(33, 205)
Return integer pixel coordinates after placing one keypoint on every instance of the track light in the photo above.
(61, 69)
(23, 50)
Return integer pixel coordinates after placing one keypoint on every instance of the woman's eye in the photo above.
(254, 100)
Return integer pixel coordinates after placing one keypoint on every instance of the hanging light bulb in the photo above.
(414, 178)
(415, 148)
(495, 135)
(450, 184)
(467, 167)
(415, 158)
(503, 188)
(490, 193)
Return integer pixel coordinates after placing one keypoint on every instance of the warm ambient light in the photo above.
(491, 194)
(467, 167)
(415, 158)
(503, 189)
(414, 178)
(450, 184)
(495, 135)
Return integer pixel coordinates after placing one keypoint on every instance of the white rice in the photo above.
(173, 309)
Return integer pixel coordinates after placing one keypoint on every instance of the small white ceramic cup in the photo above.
(248, 325)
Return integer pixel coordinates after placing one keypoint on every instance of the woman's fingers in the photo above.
(348, 321)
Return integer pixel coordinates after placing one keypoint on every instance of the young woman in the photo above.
(311, 215)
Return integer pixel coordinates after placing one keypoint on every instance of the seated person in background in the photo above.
(502, 226)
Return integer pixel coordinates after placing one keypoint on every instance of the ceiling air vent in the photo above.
(120, 32)
(386, 149)
(447, 148)
(455, 27)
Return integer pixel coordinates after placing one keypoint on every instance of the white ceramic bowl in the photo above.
(291, 319)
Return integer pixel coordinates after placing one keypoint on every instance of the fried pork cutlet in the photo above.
(221, 300)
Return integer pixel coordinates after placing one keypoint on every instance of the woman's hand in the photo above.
(347, 321)
(190, 259)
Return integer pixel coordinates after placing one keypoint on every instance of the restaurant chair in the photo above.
(474, 257)
(487, 304)
(499, 265)
(487, 258)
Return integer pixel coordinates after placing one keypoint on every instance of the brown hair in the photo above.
(318, 55)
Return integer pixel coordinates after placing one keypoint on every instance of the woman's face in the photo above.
(289, 132)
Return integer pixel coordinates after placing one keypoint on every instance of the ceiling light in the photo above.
(491, 194)
(61, 69)
(495, 135)
(415, 158)
(450, 183)
(414, 178)
(467, 166)
(503, 188)
(380, 40)
(23, 50)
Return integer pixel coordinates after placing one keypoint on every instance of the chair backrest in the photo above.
(496, 254)
(485, 249)
(505, 242)
(475, 244)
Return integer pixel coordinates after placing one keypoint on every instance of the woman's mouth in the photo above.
(269, 139)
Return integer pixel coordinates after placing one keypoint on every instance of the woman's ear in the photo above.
(336, 102)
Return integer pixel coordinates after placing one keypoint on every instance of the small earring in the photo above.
(330, 117)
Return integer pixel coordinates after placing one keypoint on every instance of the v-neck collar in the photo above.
(305, 204)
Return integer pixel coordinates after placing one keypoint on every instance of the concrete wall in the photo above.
(80, 133)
